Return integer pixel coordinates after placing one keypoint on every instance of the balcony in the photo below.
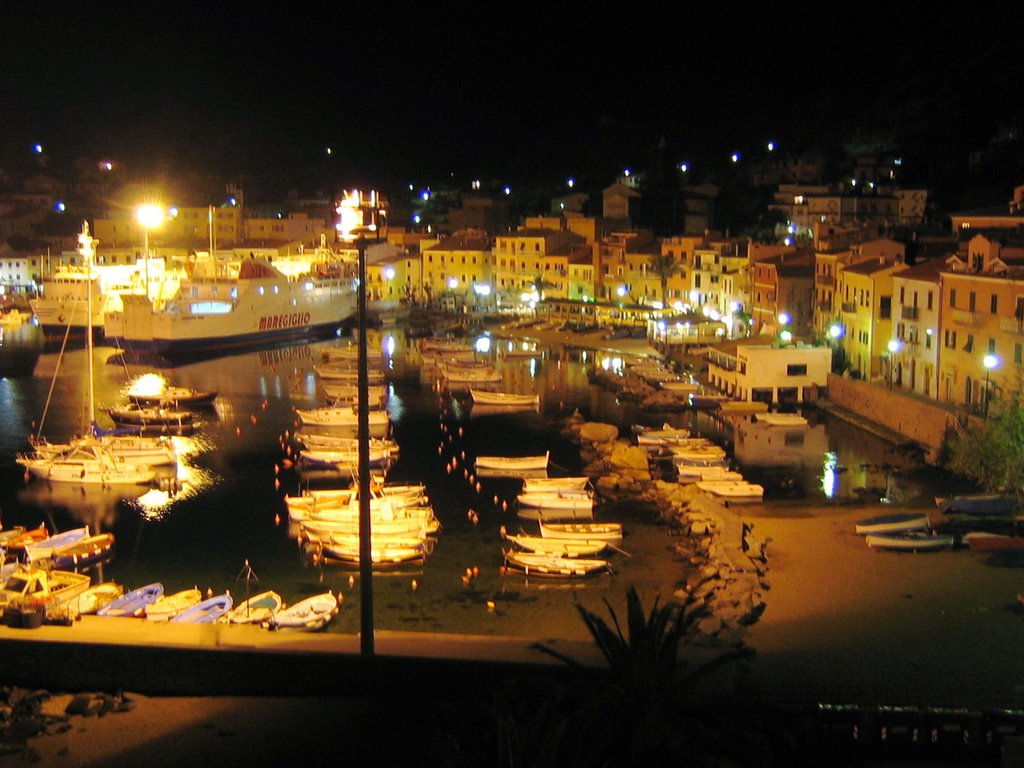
(824, 280)
(849, 307)
(824, 306)
(967, 318)
(1011, 325)
(909, 313)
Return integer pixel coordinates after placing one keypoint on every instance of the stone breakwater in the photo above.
(726, 565)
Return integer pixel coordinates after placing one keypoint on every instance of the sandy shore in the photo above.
(850, 624)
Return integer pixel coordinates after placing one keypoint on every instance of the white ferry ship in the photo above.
(233, 304)
(63, 303)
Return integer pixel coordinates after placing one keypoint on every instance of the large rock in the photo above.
(596, 432)
(629, 456)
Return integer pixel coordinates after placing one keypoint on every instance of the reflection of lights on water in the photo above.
(147, 384)
(389, 345)
(830, 475)
(613, 364)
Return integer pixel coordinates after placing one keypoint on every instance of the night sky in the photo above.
(504, 91)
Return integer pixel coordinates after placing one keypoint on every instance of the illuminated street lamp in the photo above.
(149, 216)
(894, 347)
(990, 361)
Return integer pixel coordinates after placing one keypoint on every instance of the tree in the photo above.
(664, 266)
(992, 454)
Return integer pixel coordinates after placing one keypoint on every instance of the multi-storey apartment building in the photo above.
(827, 265)
(519, 258)
(619, 256)
(782, 293)
(458, 264)
(981, 329)
(864, 293)
(916, 293)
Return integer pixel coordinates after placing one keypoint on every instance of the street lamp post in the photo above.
(990, 361)
(894, 347)
(149, 216)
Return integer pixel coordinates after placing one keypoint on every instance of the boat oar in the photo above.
(619, 550)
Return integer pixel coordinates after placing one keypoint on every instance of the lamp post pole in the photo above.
(366, 631)
(990, 361)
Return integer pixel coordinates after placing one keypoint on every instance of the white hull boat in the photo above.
(482, 397)
(554, 566)
(309, 615)
(512, 463)
(910, 541)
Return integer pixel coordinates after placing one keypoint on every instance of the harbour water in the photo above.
(223, 507)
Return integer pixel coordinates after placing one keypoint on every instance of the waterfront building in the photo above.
(981, 326)
(519, 260)
(622, 266)
(835, 256)
(457, 267)
(752, 370)
(864, 292)
(916, 293)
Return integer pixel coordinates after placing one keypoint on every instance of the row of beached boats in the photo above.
(46, 591)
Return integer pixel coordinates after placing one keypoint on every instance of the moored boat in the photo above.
(509, 463)
(167, 606)
(97, 596)
(483, 397)
(31, 586)
(238, 303)
(207, 611)
(256, 609)
(610, 532)
(133, 604)
(87, 551)
(154, 419)
(45, 548)
(910, 541)
(903, 521)
(554, 566)
(308, 615)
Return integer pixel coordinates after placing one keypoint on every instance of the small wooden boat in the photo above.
(985, 541)
(733, 491)
(986, 504)
(17, 543)
(687, 473)
(133, 604)
(610, 532)
(503, 398)
(84, 552)
(208, 611)
(307, 615)
(560, 547)
(381, 553)
(910, 541)
(554, 566)
(782, 419)
(154, 420)
(166, 607)
(97, 596)
(41, 550)
(345, 416)
(31, 586)
(581, 500)
(908, 521)
(556, 484)
(175, 397)
(256, 610)
(511, 463)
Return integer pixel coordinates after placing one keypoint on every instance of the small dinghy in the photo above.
(307, 615)
(910, 521)
(209, 611)
(166, 607)
(133, 604)
(910, 541)
(95, 597)
(256, 610)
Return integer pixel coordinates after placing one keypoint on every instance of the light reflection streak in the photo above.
(830, 475)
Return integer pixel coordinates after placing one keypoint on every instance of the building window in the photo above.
(929, 301)
(952, 298)
(796, 370)
(971, 302)
(993, 305)
(969, 346)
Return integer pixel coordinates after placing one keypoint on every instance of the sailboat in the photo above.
(98, 458)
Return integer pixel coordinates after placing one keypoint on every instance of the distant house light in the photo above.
(37, 148)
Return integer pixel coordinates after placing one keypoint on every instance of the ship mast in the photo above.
(87, 247)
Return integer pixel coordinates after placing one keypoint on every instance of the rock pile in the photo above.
(727, 565)
(25, 714)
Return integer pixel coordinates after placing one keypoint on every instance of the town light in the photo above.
(835, 330)
(990, 361)
(894, 346)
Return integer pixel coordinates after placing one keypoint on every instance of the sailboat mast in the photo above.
(87, 249)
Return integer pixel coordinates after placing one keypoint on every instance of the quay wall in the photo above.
(912, 418)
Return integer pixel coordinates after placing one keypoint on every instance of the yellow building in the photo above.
(520, 258)
(190, 227)
(981, 333)
(864, 292)
(457, 264)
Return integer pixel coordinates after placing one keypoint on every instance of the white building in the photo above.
(770, 373)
